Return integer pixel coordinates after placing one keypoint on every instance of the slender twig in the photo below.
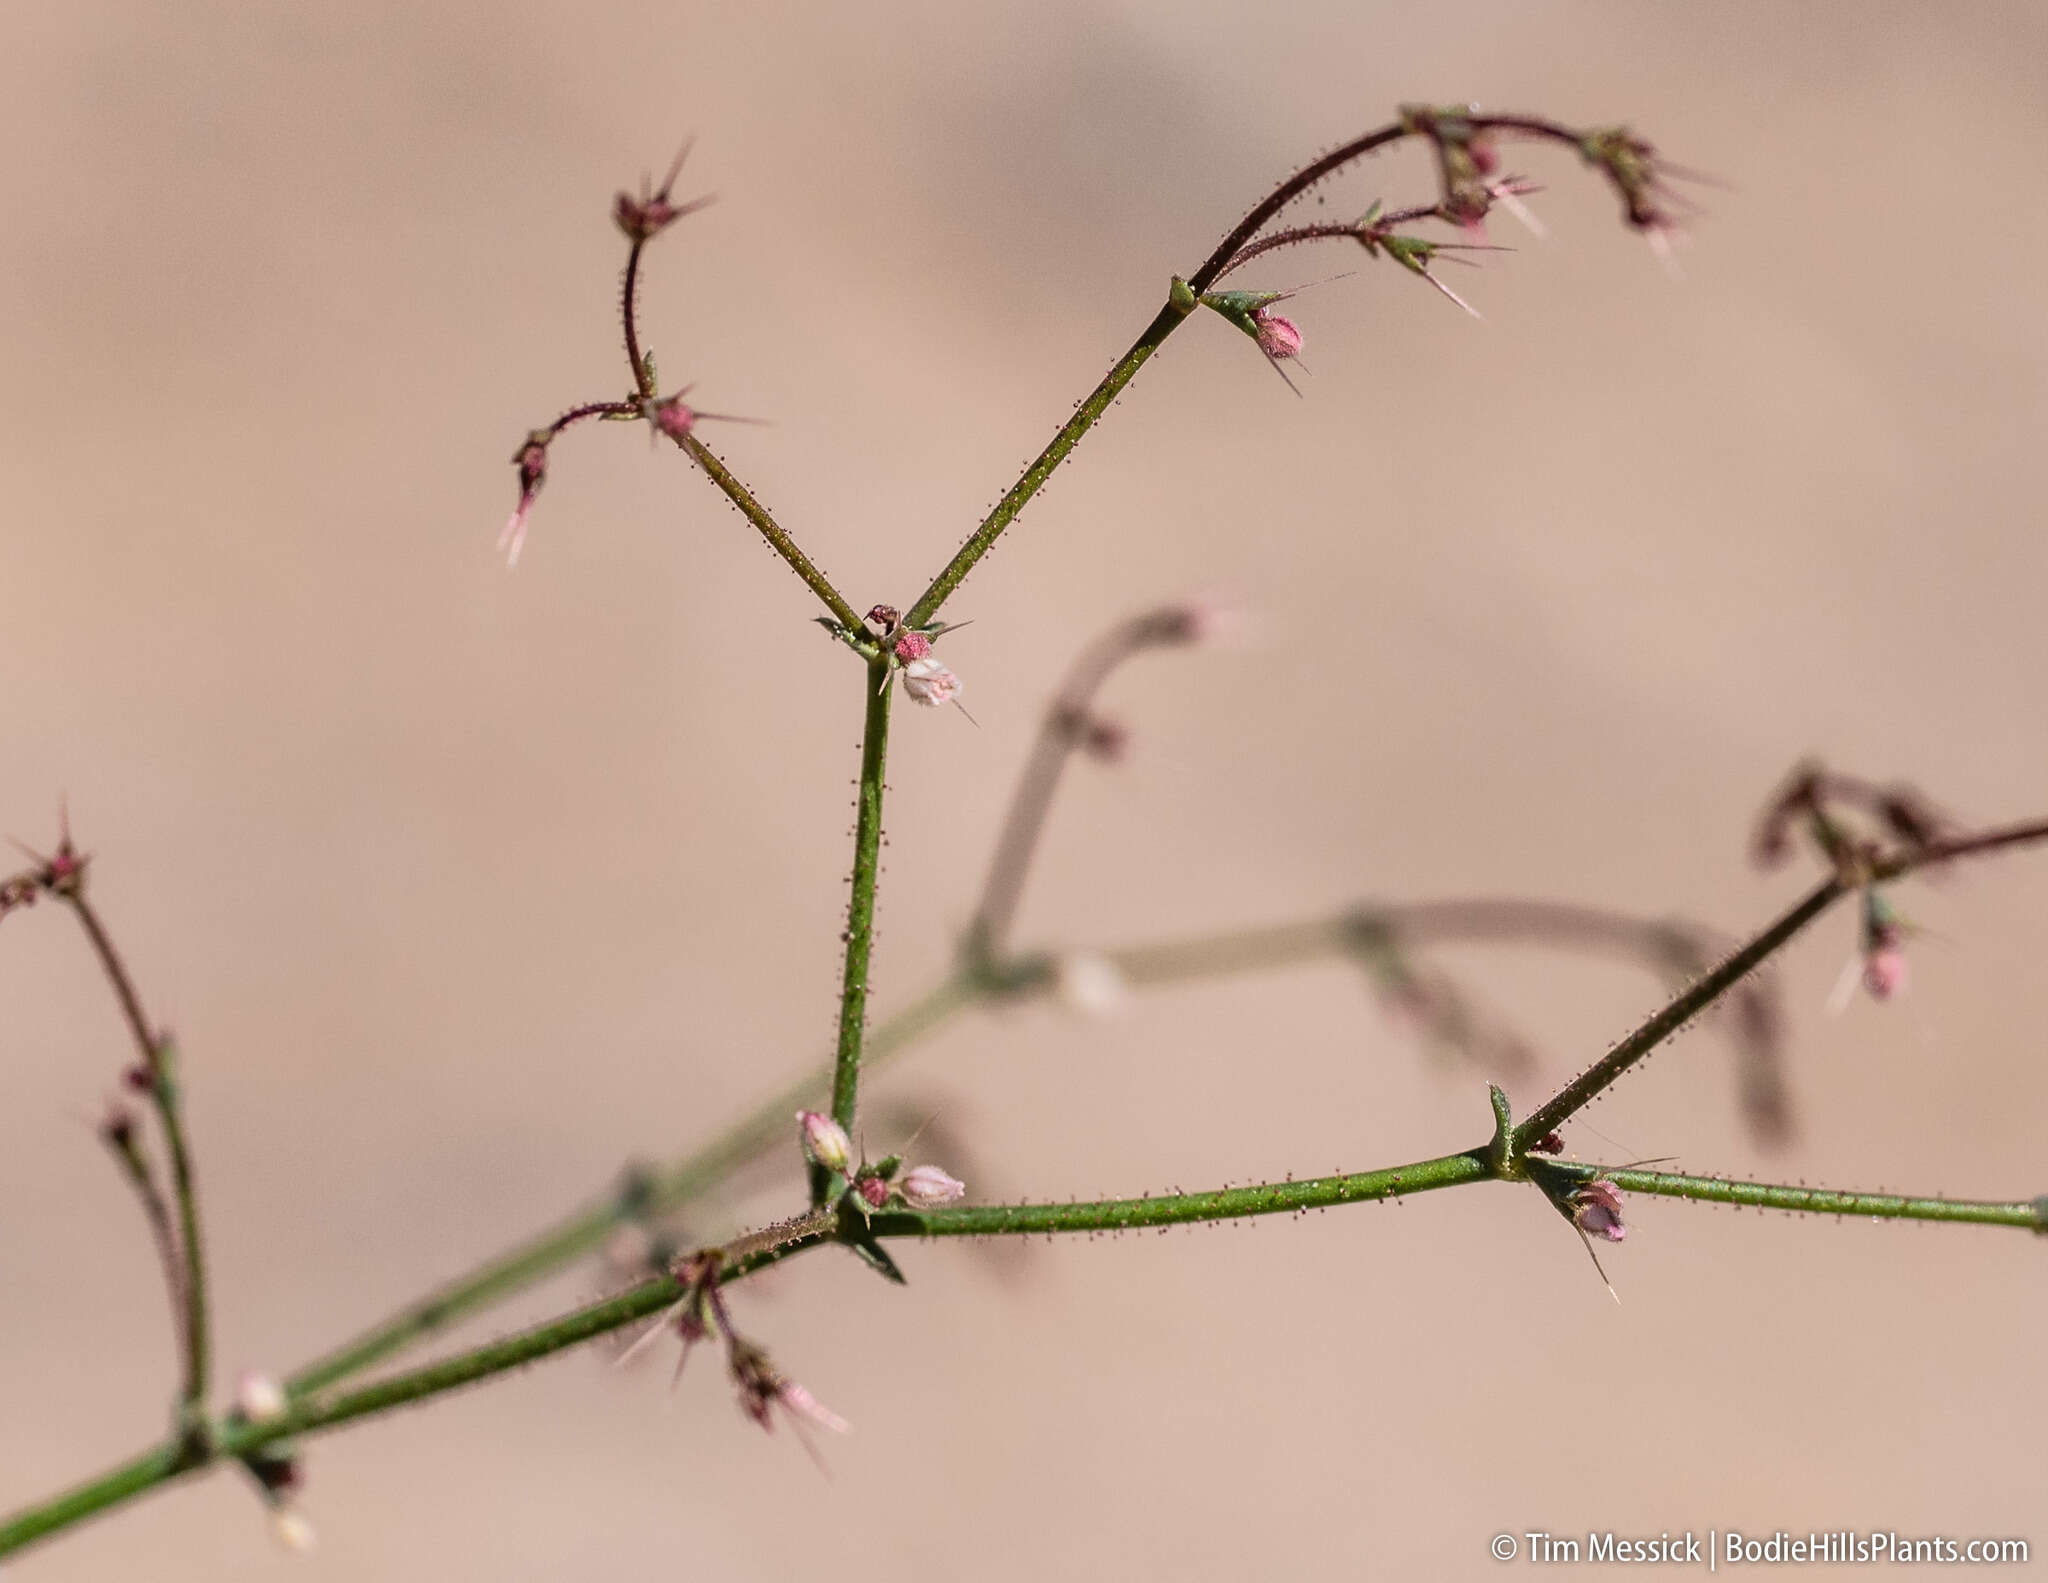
(307, 1415)
(860, 910)
(118, 1133)
(1675, 1014)
(648, 1195)
(629, 320)
(1183, 299)
(1179, 1209)
(235, 1438)
(1179, 305)
(1596, 1079)
(1295, 235)
(1667, 946)
(1143, 966)
(1064, 728)
(770, 529)
(2024, 1214)
(159, 1062)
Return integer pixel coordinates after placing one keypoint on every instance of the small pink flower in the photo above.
(762, 1386)
(873, 1191)
(532, 462)
(928, 1186)
(1278, 338)
(930, 683)
(800, 1403)
(913, 646)
(647, 216)
(825, 1141)
(1596, 1210)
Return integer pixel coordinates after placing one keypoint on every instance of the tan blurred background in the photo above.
(462, 887)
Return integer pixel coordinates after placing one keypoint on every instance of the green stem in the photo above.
(306, 1415)
(137, 1476)
(1142, 965)
(1589, 1084)
(860, 910)
(2024, 1214)
(1596, 1079)
(767, 1125)
(771, 530)
(1179, 1209)
(1178, 306)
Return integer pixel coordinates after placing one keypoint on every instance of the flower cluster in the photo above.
(877, 1186)
(926, 678)
(702, 1314)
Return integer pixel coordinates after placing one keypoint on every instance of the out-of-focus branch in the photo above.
(1071, 725)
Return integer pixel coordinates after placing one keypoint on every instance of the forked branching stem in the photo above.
(921, 1203)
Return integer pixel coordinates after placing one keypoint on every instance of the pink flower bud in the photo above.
(1884, 971)
(913, 646)
(928, 1186)
(874, 1192)
(881, 620)
(825, 1141)
(930, 683)
(1596, 1210)
(117, 1122)
(259, 1398)
(673, 418)
(1278, 337)
(1090, 984)
(1105, 739)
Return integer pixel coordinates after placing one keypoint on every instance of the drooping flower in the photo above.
(763, 1387)
(1596, 1209)
(1277, 337)
(532, 461)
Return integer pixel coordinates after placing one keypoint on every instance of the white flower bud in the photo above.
(259, 1398)
(825, 1141)
(928, 1186)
